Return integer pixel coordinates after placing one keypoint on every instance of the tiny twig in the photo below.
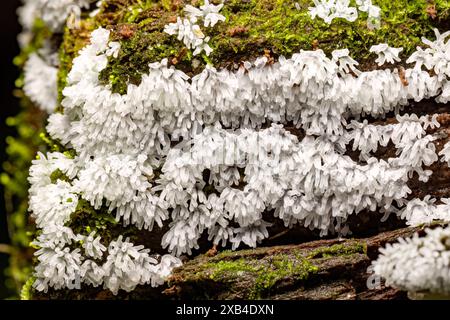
(279, 234)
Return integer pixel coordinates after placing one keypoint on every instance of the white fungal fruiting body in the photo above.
(98, 4)
(386, 54)
(309, 89)
(52, 203)
(373, 12)
(116, 178)
(418, 212)
(417, 264)
(328, 10)
(58, 268)
(128, 266)
(296, 178)
(208, 12)
(40, 83)
(188, 31)
(27, 14)
(161, 154)
(56, 12)
(43, 167)
(436, 57)
(445, 153)
(345, 62)
(92, 246)
(306, 89)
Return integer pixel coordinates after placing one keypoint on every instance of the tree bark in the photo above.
(339, 271)
(333, 269)
(291, 264)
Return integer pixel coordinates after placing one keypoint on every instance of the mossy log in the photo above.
(291, 264)
(337, 269)
(317, 270)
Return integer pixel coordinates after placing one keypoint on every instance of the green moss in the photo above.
(86, 219)
(139, 29)
(254, 28)
(27, 289)
(53, 145)
(264, 274)
(71, 153)
(281, 268)
(338, 250)
(58, 175)
(283, 29)
(136, 53)
(261, 274)
(233, 267)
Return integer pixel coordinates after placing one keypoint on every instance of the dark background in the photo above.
(9, 28)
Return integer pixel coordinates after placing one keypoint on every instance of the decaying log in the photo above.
(319, 270)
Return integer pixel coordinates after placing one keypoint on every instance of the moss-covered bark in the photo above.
(255, 28)
(314, 270)
(317, 270)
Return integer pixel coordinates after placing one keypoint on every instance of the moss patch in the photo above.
(86, 219)
(135, 56)
(254, 28)
(264, 274)
(27, 289)
(338, 250)
(52, 145)
(58, 175)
